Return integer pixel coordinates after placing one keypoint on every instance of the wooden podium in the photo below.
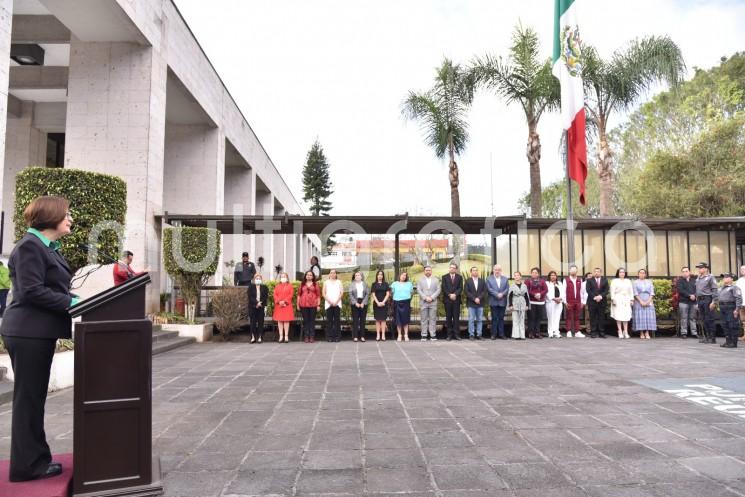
(112, 416)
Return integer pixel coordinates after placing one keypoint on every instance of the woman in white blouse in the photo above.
(554, 304)
(332, 296)
(621, 302)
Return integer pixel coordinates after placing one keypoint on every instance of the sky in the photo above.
(338, 71)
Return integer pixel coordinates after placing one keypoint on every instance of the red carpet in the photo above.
(59, 486)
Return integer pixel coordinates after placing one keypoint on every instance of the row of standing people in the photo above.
(530, 301)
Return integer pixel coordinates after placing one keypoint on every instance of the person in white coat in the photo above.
(621, 302)
(554, 304)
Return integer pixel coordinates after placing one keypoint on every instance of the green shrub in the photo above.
(663, 297)
(193, 264)
(94, 198)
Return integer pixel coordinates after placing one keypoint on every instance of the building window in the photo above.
(592, 252)
(657, 255)
(678, 251)
(636, 252)
(719, 251)
(615, 252)
(551, 251)
(699, 247)
(55, 150)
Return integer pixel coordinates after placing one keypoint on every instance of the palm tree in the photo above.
(442, 115)
(616, 84)
(525, 78)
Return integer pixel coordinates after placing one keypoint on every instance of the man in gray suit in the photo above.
(428, 288)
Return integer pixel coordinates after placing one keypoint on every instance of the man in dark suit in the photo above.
(475, 296)
(257, 298)
(34, 320)
(452, 288)
(597, 295)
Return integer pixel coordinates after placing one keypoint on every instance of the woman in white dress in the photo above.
(622, 300)
(554, 304)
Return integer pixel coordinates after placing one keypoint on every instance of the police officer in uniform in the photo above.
(707, 296)
(730, 303)
(244, 272)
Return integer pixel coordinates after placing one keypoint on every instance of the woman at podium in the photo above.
(32, 323)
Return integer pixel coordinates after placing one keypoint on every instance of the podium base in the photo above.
(58, 486)
(153, 489)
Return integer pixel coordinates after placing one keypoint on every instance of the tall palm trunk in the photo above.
(534, 158)
(453, 175)
(605, 169)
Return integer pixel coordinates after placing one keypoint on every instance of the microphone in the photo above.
(88, 248)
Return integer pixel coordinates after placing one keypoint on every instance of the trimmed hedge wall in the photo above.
(94, 198)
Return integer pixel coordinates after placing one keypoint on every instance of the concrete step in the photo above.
(160, 335)
(6, 391)
(167, 344)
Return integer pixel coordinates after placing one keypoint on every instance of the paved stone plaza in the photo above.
(520, 419)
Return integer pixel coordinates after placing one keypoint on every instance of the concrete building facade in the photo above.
(125, 89)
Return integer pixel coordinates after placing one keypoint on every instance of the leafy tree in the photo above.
(617, 83)
(673, 120)
(525, 77)
(706, 180)
(553, 198)
(317, 187)
(441, 112)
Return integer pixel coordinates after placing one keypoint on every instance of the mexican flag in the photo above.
(567, 67)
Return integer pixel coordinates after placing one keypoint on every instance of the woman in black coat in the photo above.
(32, 323)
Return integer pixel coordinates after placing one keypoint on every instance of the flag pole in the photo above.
(569, 206)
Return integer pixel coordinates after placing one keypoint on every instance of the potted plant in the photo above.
(190, 256)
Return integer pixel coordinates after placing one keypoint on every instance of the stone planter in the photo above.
(202, 331)
(62, 373)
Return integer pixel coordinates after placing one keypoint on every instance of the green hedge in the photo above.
(94, 198)
(663, 297)
(196, 265)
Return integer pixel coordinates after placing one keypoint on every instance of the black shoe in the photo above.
(470, 337)
(52, 469)
(602, 335)
(478, 337)
(593, 335)
(493, 338)
(456, 338)
(503, 338)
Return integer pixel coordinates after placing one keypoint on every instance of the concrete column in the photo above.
(265, 243)
(115, 121)
(6, 17)
(279, 244)
(194, 170)
(240, 200)
(290, 255)
(24, 146)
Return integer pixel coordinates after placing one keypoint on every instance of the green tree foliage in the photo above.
(673, 120)
(706, 180)
(190, 257)
(441, 112)
(317, 187)
(617, 83)
(94, 199)
(553, 198)
(525, 78)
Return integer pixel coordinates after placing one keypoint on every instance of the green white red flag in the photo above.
(567, 67)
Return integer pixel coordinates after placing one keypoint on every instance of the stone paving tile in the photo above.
(496, 419)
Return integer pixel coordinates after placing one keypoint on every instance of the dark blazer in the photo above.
(473, 293)
(593, 290)
(41, 292)
(449, 287)
(252, 297)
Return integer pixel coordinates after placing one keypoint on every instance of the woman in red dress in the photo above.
(283, 311)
